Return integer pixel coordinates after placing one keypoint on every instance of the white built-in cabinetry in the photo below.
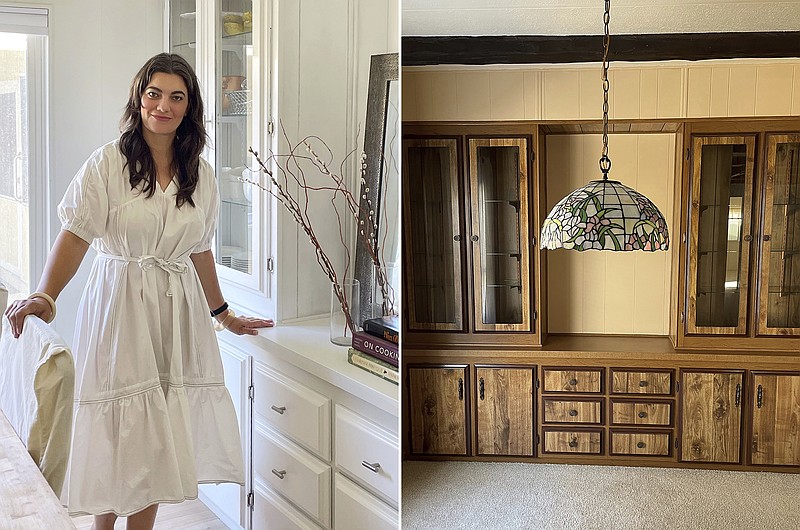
(320, 435)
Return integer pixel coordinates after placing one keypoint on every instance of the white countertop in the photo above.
(307, 345)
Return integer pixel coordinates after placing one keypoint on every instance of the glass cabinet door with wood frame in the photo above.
(432, 225)
(779, 292)
(498, 170)
(719, 234)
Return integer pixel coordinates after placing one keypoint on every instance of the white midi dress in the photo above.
(152, 415)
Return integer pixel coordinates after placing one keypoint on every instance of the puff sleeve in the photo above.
(210, 205)
(84, 208)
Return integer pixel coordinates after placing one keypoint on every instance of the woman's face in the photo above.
(164, 103)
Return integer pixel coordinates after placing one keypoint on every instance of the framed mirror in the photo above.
(381, 189)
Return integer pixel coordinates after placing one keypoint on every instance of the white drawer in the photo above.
(358, 510)
(360, 445)
(271, 512)
(292, 472)
(293, 409)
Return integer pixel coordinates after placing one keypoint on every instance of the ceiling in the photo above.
(585, 17)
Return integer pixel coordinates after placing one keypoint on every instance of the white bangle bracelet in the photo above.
(223, 325)
(47, 298)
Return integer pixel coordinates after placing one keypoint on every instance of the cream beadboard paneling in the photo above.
(669, 90)
(610, 292)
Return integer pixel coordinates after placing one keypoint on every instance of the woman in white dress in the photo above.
(152, 415)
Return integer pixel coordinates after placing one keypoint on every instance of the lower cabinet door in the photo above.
(505, 410)
(272, 512)
(776, 409)
(438, 404)
(711, 416)
(356, 509)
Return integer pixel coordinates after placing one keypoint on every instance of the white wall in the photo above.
(95, 48)
(323, 49)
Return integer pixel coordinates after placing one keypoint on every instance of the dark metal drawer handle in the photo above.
(760, 396)
(573, 412)
(372, 467)
(460, 389)
(738, 398)
(573, 442)
(279, 410)
(643, 383)
(640, 445)
(279, 474)
(481, 390)
(573, 382)
(642, 414)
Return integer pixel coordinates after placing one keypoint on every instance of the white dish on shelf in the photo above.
(188, 16)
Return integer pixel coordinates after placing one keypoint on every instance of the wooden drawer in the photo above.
(585, 442)
(271, 511)
(573, 411)
(641, 443)
(355, 508)
(292, 472)
(589, 380)
(367, 453)
(293, 409)
(641, 413)
(633, 382)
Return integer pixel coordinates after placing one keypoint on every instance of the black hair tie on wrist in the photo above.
(221, 309)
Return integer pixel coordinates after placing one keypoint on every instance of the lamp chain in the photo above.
(605, 162)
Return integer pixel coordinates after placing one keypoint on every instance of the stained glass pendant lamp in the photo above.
(605, 214)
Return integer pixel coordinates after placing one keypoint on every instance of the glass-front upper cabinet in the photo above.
(719, 240)
(499, 236)
(183, 30)
(224, 41)
(432, 234)
(234, 134)
(779, 295)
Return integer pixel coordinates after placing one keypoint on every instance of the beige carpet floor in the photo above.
(440, 495)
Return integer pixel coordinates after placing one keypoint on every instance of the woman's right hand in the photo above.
(19, 309)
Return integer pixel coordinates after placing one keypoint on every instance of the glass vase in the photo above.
(342, 325)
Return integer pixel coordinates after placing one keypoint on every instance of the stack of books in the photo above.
(376, 349)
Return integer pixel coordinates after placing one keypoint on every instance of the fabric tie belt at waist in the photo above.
(148, 262)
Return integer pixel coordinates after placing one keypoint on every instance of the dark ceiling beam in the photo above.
(528, 49)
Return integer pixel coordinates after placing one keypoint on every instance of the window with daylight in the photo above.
(23, 146)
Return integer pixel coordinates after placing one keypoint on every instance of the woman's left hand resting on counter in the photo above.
(240, 325)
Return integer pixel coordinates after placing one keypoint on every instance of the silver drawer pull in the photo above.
(640, 445)
(372, 467)
(643, 383)
(573, 412)
(279, 474)
(279, 410)
(642, 414)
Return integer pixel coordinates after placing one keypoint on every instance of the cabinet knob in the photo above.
(640, 445)
(766, 237)
(748, 237)
(457, 237)
(642, 414)
(573, 382)
(279, 474)
(573, 442)
(474, 238)
(643, 383)
(279, 410)
(372, 467)
(573, 412)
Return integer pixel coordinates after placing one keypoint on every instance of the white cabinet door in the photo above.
(358, 510)
(228, 501)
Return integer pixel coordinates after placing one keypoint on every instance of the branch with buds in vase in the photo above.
(290, 173)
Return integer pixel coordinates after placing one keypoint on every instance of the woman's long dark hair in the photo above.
(189, 140)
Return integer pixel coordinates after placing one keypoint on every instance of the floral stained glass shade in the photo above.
(605, 215)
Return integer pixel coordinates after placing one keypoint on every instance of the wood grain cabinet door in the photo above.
(438, 410)
(711, 416)
(776, 419)
(505, 411)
